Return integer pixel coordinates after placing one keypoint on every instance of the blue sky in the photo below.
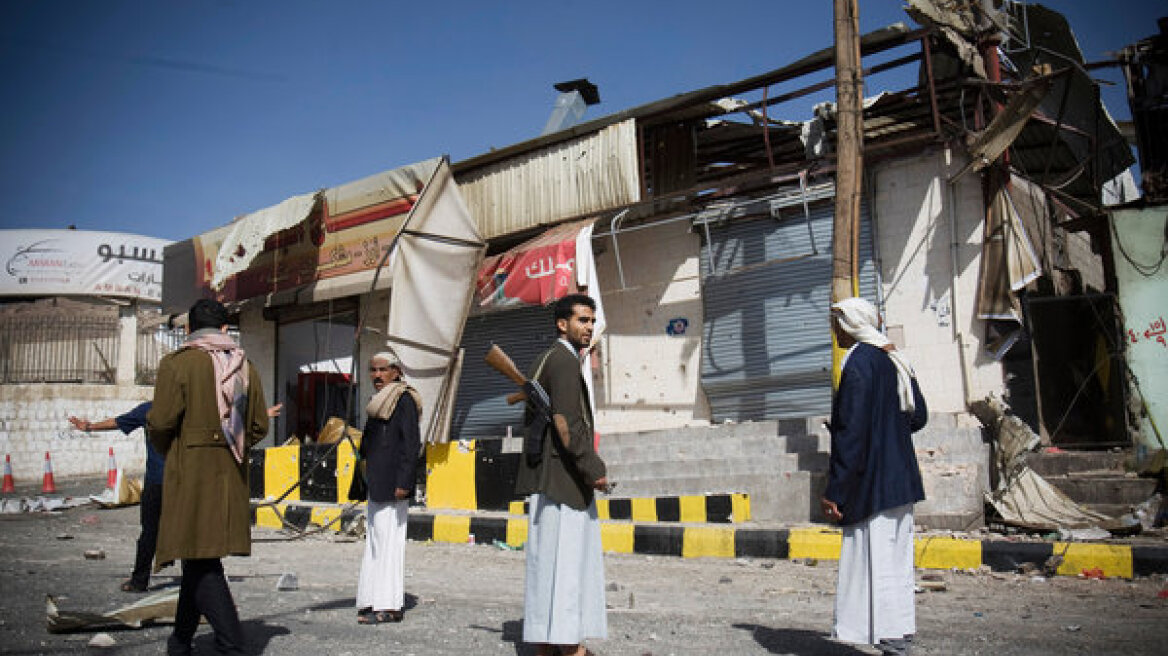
(170, 118)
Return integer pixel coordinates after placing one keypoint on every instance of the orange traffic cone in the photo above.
(9, 482)
(111, 474)
(48, 486)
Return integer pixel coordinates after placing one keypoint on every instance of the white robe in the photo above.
(381, 585)
(874, 596)
(564, 590)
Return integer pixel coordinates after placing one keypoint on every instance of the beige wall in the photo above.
(257, 336)
(932, 319)
(34, 419)
(647, 378)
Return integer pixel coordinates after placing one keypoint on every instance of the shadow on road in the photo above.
(257, 633)
(511, 631)
(799, 642)
(410, 602)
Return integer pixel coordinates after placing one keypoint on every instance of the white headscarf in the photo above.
(860, 319)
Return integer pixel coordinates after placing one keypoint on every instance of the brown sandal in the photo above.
(380, 617)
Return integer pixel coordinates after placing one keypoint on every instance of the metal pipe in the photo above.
(807, 210)
(615, 228)
(958, 336)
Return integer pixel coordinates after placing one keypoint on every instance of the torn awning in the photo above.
(433, 270)
(245, 239)
(1010, 260)
(308, 248)
(536, 272)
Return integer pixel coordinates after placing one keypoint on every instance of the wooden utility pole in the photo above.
(849, 93)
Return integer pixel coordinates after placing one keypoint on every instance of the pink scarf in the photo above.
(231, 379)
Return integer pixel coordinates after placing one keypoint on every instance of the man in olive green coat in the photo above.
(564, 588)
(208, 411)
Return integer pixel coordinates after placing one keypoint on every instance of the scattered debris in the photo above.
(1151, 512)
(126, 491)
(64, 536)
(725, 579)
(1052, 564)
(1093, 573)
(932, 586)
(1082, 534)
(505, 546)
(288, 582)
(103, 641)
(39, 504)
(1072, 627)
(155, 608)
(94, 554)
(1023, 497)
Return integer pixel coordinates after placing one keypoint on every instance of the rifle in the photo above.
(537, 399)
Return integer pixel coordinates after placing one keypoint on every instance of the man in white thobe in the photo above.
(564, 592)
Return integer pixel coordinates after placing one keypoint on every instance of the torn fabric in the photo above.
(433, 269)
(960, 25)
(988, 145)
(536, 272)
(245, 238)
(1009, 259)
(1022, 497)
(152, 609)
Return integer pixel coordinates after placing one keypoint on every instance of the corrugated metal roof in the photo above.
(591, 173)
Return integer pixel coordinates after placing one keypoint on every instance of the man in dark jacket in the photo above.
(151, 504)
(564, 593)
(208, 412)
(389, 447)
(873, 482)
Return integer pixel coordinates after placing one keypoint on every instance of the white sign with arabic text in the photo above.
(80, 263)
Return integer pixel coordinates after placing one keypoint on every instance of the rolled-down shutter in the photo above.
(766, 285)
(480, 408)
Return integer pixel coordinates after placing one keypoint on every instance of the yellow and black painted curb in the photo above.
(931, 552)
(702, 509)
(463, 476)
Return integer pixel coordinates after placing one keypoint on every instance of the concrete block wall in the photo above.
(648, 378)
(34, 419)
(934, 324)
(1081, 257)
(257, 336)
(954, 458)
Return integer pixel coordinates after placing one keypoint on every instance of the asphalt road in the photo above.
(468, 599)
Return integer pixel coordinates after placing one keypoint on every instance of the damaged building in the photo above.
(702, 223)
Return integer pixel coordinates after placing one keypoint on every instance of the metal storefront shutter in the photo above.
(766, 348)
(480, 408)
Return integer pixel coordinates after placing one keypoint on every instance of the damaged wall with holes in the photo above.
(650, 358)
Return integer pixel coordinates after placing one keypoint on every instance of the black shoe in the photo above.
(129, 585)
(175, 647)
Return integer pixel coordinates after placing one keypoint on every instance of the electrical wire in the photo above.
(1145, 270)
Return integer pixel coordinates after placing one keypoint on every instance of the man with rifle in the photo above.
(564, 592)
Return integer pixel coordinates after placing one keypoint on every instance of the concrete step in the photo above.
(1104, 489)
(759, 447)
(1060, 463)
(708, 467)
(684, 434)
(787, 496)
(1111, 509)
